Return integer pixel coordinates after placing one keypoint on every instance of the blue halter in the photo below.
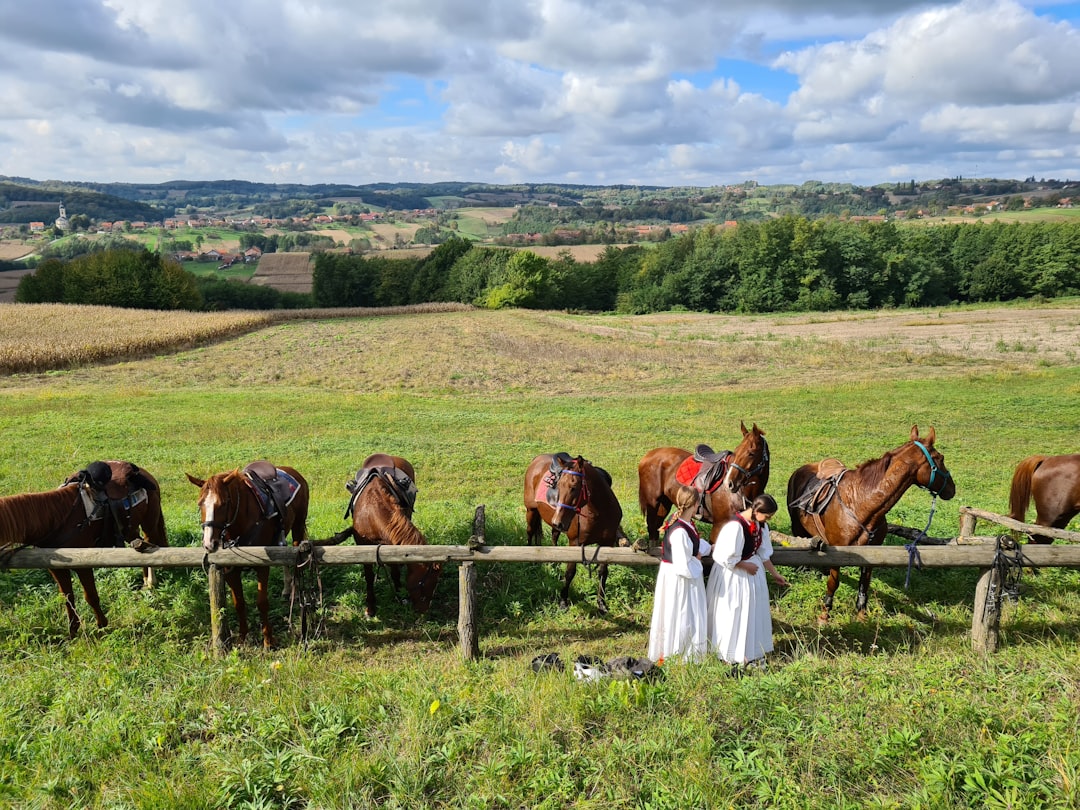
(933, 470)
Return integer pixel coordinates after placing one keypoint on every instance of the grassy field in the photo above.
(893, 712)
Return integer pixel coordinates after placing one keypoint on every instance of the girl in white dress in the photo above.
(740, 625)
(680, 618)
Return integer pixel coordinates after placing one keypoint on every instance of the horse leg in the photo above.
(262, 599)
(236, 587)
(654, 518)
(555, 536)
(89, 586)
(369, 580)
(156, 535)
(532, 526)
(863, 596)
(601, 602)
(288, 576)
(830, 590)
(564, 594)
(63, 581)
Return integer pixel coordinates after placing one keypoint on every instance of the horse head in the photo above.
(571, 491)
(750, 460)
(219, 508)
(932, 474)
(420, 582)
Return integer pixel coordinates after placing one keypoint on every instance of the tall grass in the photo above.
(893, 712)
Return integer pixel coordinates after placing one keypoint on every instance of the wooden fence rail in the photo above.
(967, 550)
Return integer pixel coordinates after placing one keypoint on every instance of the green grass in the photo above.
(893, 712)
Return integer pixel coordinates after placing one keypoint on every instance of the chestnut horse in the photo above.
(574, 498)
(747, 476)
(256, 506)
(1054, 483)
(107, 504)
(848, 507)
(384, 493)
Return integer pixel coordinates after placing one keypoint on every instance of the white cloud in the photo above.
(573, 90)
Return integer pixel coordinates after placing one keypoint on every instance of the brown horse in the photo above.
(848, 507)
(1054, 483)
(384, 494)
(107, 504)
(747, 475)
(575, 498)
(256, 506)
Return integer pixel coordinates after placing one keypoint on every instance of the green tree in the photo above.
(524, 281)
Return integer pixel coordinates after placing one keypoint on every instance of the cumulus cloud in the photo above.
(532, 90)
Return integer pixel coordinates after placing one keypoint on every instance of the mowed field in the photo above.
(892, 712)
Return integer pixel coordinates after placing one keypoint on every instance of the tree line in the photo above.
(785, 264)
(788, 263)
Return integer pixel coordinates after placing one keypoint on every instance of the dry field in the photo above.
(502, 353)
(338, 235)
(288, 272)
(10, 250)
(385, 234)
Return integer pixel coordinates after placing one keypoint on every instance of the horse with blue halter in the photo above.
(739, 477)
(848, 507)
(108, 503)
(575, 498)
(256, 506)
(1054, 484)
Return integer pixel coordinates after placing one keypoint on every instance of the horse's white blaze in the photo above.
(208, 518)
(728, 478)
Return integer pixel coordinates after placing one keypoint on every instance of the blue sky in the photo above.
(665, 92)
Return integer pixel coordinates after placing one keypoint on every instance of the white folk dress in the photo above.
(680, 617)
(740, 625)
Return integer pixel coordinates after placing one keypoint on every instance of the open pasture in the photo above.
(895, 712)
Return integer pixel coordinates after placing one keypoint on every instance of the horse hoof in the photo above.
(601, 608)
(564, 605)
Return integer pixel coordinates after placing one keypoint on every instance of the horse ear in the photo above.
(931, 436)
(914, 433)
(196, 481)
(758, 430)
(742, 426)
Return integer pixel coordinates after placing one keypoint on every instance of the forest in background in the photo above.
(783, 264)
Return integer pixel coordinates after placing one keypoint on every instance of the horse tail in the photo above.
(1020, 493)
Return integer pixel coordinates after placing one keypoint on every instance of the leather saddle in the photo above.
(381, 465)
(274, 488)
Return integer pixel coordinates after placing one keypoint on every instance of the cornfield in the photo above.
(42, 337)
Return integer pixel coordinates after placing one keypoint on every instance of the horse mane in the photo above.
(400, 530)
(873, 470)
(31, 517)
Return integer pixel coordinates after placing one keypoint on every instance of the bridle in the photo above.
(934, 469)
(224, 539)
(747, 474)
(583, 495)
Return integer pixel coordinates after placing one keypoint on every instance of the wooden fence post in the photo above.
(967, 526)
(470, 641)
(986, 616)
(219, 628)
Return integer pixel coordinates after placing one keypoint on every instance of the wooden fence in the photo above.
(967, 550)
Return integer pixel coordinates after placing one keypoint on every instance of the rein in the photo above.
(914, 558)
